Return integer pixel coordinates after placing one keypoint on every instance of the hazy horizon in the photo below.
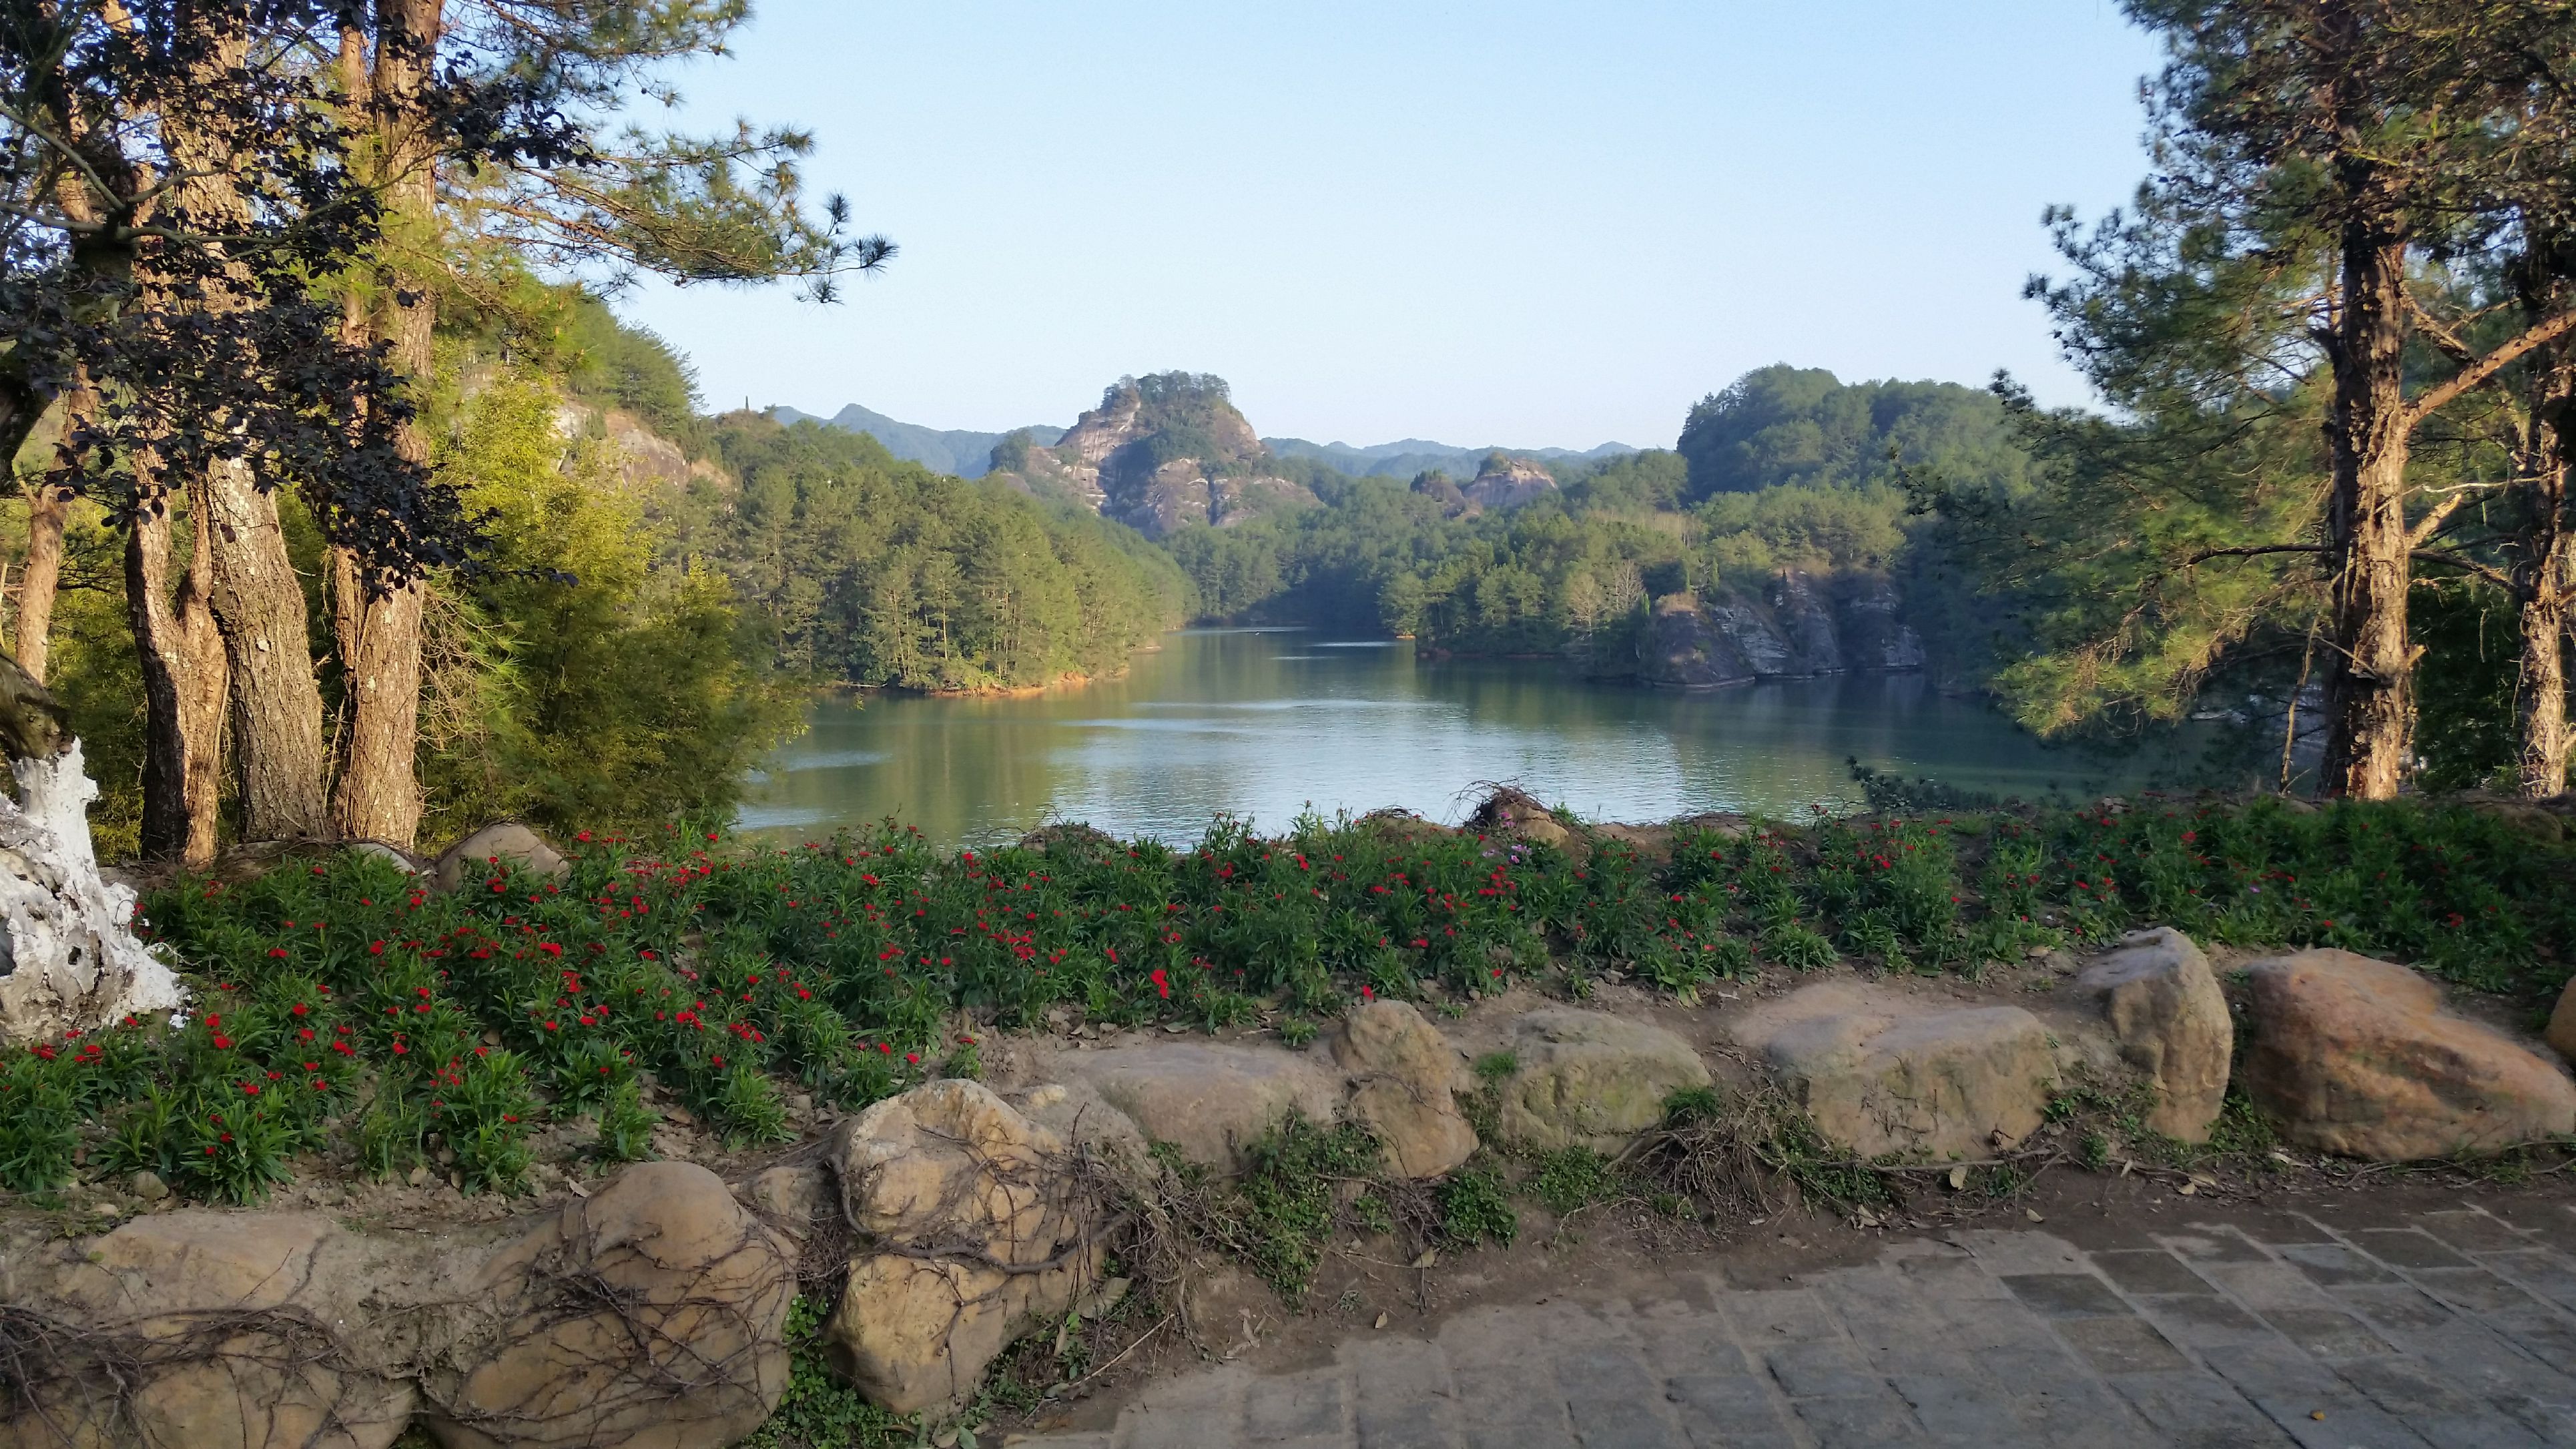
(1553, 227)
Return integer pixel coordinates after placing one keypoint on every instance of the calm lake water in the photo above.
(1264, 722)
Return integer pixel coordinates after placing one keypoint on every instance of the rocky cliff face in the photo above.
(1800, 626)
(1159, 453)
(1508, 482)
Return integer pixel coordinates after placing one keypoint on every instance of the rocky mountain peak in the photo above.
(1160, 452)
(1505, 481)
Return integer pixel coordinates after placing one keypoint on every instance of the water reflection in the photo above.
(1263, 722)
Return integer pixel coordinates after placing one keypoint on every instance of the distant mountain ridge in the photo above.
(1408, 456)
(969, 454)
(959, 451)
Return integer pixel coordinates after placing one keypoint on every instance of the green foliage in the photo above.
(1286, 1194)
(341, 1000)
(39, 1122)
(580, 683)
(1573, 574)
(1783, 425)
(820, 1409)
(619, 365)
(625, 1125)
(880, 572)
(1476, 1207)
(1573, 1178)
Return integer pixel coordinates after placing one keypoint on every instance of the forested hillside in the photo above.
(1787, 471)
(877, 571)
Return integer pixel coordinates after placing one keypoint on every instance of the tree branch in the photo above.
(2434, 398)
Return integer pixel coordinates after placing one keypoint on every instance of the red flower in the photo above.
(1161, 985)
(1368, 993)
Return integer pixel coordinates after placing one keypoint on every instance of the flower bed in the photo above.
(344, 999)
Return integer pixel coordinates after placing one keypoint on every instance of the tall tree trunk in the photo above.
(185, 679)
(256, 599)
(2369, 672)
(258, 605)
(2544, 576)
(47, 509)
(377, 626)
(2542, 681)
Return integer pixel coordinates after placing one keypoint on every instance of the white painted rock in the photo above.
(71, 959)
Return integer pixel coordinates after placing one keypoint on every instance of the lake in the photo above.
(1264, 722)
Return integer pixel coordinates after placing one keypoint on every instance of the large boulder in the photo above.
(2162, 1004)
(1208, 1099)
(1405, 1077)
(199, 1330)
(2357, 1057)
(2561, 1035)
(652, 1314)
(1077, 1113)
(1881, 1072)
(479, 856)
(1589, 1079)
(977, 1228)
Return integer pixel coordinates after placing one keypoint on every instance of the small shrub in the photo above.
(625, 1125)
(1495, 1066)
(1476, 1207)
(1575, 1178)
(391, 1136)
(1285, 1197)
(746, 1109)
(39, 1125)
(1296, 1031)
(1797, 947)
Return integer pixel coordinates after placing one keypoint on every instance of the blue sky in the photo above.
(1496, 223)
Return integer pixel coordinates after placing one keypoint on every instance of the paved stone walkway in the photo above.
(2456, 1329)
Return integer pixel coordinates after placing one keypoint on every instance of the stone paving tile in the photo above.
(2337, 1331)
(2205, 1322)
(2149, 1270)
(1728, 1409)
(2473, 1230)
(2332, 1265)
(2197, 1411)
(2326, 1332)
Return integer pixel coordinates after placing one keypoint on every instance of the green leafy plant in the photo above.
(1476, 1207)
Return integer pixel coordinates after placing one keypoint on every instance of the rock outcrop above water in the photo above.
(1799, 626)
